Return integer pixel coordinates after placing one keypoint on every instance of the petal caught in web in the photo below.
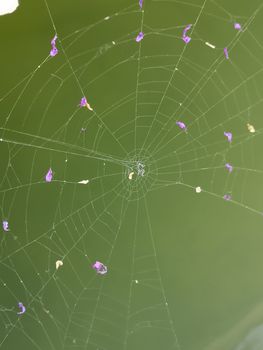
(84, 103)
(22, 309)
(188, 27)
(58, 264)
(228, 136)
(226, 53)
(53, 41)
(83, 182)
(100, 268)
(5, 226)
(186, 38)
(227, 197)
(181, 125)
(54, 50)
(251, 128)
(139, 37)
(229, 167)
(210, 45)
(49, 175)
(237, 26)
(131, 175)
(140, 3)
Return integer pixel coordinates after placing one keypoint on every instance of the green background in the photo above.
(184, 269)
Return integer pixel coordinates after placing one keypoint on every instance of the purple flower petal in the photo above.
(139, 37)
(229, 136)
(22, 308)
(186, 39)
(181, 125)
(100, 268)
(5, 225)
(97, 265)
(229, 167)
(188, 27)
(226, 53)
(140, 3)
(237, 26)
(49, 175)
(227, 197)
(53, 41)
(83, 102)
(54, 50)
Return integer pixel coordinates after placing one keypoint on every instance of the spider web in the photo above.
(139, 213)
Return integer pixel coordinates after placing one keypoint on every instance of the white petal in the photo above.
(84, 182)
(198, 189)
(59, 263)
